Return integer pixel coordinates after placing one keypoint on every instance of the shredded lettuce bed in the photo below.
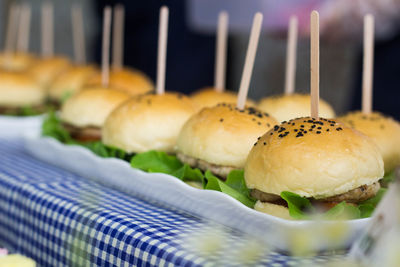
(234, 186)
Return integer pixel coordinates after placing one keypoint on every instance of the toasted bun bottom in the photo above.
(273, 209)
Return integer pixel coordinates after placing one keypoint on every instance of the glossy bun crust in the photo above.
(91, 106)
(287, 107)
(385, 132)
(223, 135)
(208, 97)
(313, 158)
(148, 122)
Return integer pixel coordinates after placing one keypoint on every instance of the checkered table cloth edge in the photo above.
(60, 219)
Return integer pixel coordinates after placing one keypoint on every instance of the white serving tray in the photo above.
(12, 126)
(209, 205)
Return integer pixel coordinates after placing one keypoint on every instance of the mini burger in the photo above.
(148, 122)
(19, 92)
(45, 70)
(16, 61)
(84, 113)
(322, 160)
(219, 138)
(383, 130)
(70, 82)
(209, 97)
(287, 107)
(131, 81)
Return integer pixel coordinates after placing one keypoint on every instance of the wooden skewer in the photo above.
(314, 64)
(162, 50)
(12, 23)
(105, 57)
(368, 64)
(249, 62)
(24, 28)
(47, 30)
(118, 37)
(220, 58)
(290, 77)
(78, 34)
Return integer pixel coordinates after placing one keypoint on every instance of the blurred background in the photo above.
(191, 43)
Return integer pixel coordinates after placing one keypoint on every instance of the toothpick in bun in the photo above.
(322, 160)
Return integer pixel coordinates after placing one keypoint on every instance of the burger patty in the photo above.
(84, 134)
(20, 110)
(221, 171)
(356, 195)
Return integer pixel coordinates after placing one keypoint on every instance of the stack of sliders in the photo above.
(384, 130)
(129, 80)
(20, 94)
(152, 121)
(294, 169)
(312, 163)
(219, 138)
(210, 96)
(84, 113)
(292, 105)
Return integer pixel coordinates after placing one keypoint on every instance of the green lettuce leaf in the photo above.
(235, 179)
(156, 161)
(366, 210)
(52, 127)
(387, 179)
(297, 205)
(214, 183)
(186, 173)
(342, 211)
(374, 201)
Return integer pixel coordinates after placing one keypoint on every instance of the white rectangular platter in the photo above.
(206, 204)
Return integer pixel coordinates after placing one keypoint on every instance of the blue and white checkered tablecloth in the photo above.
(60, 219)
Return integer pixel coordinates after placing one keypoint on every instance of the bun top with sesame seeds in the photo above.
(223, 135)
(286, 107)
(312, 158)
(384, 130)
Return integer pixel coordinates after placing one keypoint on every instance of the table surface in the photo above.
(61, 219)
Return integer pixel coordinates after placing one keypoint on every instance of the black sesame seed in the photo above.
(318, 132)
(339, 129)
(265, 143)
(327, 130)
(319, 128)
(302, 126)
(221, 120)
(259, 138)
